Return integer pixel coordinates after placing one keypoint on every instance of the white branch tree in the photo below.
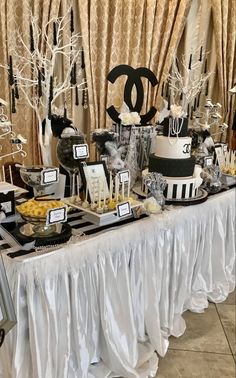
(33, 67)
(188, 77)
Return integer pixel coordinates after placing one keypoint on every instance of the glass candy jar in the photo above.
(66, 154)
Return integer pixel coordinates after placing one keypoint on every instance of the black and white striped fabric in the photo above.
(13, 248)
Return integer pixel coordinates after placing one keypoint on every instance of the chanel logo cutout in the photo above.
(186, 148)
(133, 80)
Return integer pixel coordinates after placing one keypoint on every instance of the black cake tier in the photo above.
(172, 167)
(184, 128)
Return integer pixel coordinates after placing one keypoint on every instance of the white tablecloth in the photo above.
(101, 307)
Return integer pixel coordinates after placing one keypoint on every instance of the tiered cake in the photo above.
(173, 159)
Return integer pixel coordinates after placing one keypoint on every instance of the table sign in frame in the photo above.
(91, 171)
(124, 176)
(7, 312)
(49, 176)
(208, 161)
(80, 151)
(56, 215)
(123, 209)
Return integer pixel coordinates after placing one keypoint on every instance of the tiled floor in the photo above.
(208, 347)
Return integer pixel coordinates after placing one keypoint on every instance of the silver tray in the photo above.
(199, 198)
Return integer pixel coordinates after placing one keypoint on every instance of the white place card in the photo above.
(80, 151)
(123, 209)
(104, 158)
(124, 176)
(7, 206)
(49, 176)
(225, 148)
(220, 156)
(208, 161)
(57, 215)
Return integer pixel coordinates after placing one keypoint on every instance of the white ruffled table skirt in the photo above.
(101, 307)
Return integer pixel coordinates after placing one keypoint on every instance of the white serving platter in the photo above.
(6, 187)
(104, 218)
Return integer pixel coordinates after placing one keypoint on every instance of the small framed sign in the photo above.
(225, 148)
(7, 312)
(123, 209)
(57, 215)
(49, 176)
(80, 151)
(208, 161)
(94, 174)
(124, 176)
(220, 156)
(104, 158)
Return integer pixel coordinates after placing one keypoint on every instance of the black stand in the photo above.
(2, 336)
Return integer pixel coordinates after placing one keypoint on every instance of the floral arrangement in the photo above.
(176, 111)
(130, 118)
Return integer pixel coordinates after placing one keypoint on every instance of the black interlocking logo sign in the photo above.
(133, 80)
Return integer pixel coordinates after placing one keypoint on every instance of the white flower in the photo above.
(130, 118)
(22, 139)
(151, 205)
(176, 111)
(205, 127)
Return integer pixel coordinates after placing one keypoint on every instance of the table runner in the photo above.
(102, 306)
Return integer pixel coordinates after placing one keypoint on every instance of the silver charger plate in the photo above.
(199, 198)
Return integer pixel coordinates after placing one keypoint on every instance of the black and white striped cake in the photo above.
(173, 159)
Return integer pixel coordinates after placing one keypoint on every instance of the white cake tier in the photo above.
(173, 148)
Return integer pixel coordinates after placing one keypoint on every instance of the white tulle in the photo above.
(102, 307)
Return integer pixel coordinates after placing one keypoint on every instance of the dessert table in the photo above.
(102, 305)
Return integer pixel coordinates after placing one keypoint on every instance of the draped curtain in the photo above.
(224, 23)
(138, 33)
(135, 32)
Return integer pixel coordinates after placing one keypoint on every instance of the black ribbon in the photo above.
(39, 83)
(2, 336)
(206, 91)
(76, 96)
(205, 69)
(54, 34)
(82, 59)
(10, 72)
(200, 58)
(71, 21)
(51, 89)
(190, 62)
(16, 90)
(13, 101)
(31, 38)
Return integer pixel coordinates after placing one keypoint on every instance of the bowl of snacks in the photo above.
(34, 212)
(32, 176)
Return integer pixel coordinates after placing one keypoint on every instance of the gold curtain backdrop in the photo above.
(224, 23)
(136, 32)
